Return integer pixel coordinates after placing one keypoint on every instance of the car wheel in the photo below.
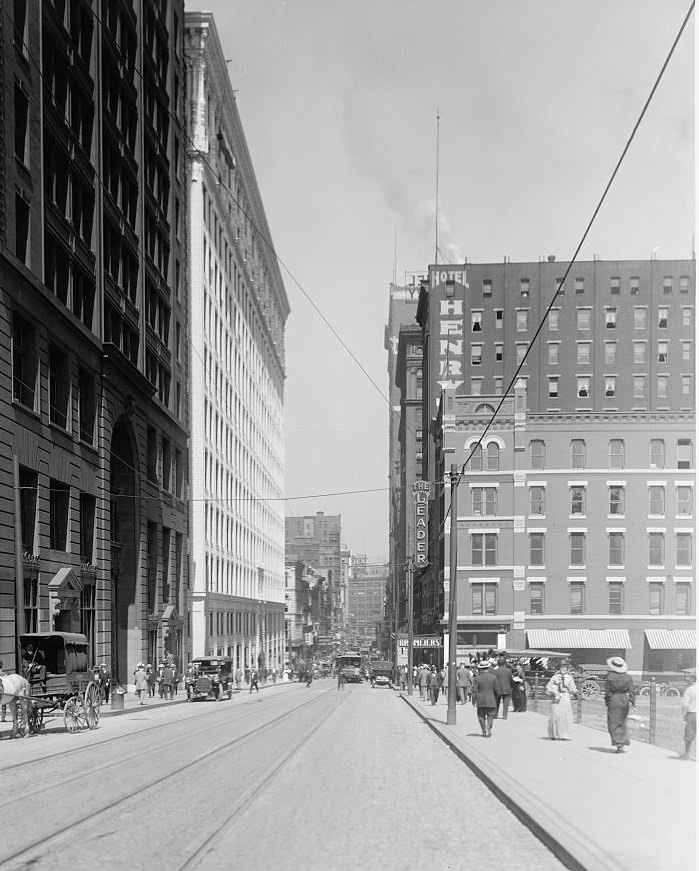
(589, 689)
(644, 691)
(672, 693)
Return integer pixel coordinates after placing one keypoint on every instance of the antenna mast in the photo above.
(436, 204)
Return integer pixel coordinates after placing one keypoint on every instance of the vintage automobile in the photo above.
(210, 678)
(381, 674)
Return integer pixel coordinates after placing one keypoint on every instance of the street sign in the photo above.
(421, 641)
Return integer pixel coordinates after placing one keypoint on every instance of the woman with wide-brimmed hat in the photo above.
(619, 696)
(562, 689)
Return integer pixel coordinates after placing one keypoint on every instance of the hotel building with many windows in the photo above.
(238, 312)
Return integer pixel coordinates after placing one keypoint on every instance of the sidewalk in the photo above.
(595, 809)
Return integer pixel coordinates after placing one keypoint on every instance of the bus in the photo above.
(350, 664)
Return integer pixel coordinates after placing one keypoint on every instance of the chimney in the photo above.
(551, 258)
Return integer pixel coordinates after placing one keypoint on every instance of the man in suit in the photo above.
(503, 693)
(484, 690)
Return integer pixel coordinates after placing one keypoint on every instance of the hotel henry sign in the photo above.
(421, 495)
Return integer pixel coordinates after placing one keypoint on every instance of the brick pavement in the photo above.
(594, 808)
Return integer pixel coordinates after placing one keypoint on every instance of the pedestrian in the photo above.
(503, 677)
(443, 679)
(253, 680)
(403, 677)
(519, 690)
(238, 677)
(340, 679)
(434, 685)
(3, 710)
(484, 697)
(423, 680)
(141, 682)
(464, 682)
(562, 689)
(105, 682)
(619, 696)
(168, 677)
(689, 713)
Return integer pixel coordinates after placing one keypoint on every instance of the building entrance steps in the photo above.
(594, 808)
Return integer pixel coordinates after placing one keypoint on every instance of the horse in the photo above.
(15, 688)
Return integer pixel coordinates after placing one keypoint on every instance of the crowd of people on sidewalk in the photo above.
(492, 684)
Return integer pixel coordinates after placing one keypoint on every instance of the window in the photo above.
(484, 500)
(616, 453)
(684, 501)
(577, 598)
(616, 597)
(616, 548)
(667, 285)
(498, 384)
(609, 386)
(634, 285)
(657, 454)
(484, 549)
(537, 454)
(476, 355)
(520, 351)
(686, 381)
(21, 124)
(656, 499)
(553, 387)
(553, 319)
(536, 598)
(560, 289)
(59, 504)
(583, 352)
(663, 384)
(663, 314)
(476, 321)
(498, 318)
(686, 316)
(577, 453)
(639, 318)
(684, 284)
(683, 599)
(639, 352)
(475, 464)
(522, 320)
(580, 285)
(616, 501)
(537, 500)
(577, 548)
(24, 361)
(583, 386)
(610, 352)
(152, 454)
(684, 454)
(498, 350)
(28, 485)
(615, 285)
(524, 287)
(577, 500)
(686, 350)
(59, 386)
(536, 548)
(21, 228)
(87, 527)
(487, 287)
(639, 386)
(662, 352)
(610, 318)
(656, 543)
(684, 549)
(553, 352)
(584, 318)
(492, 457)
(484, 598)
(31, 604)
(87, 409)
(167, 464)
(656, 596)
(476, 386)
(20, 23)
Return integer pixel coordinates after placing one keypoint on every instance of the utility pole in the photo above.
(409, 591)
(451, 666)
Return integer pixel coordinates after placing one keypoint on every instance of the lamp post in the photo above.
(451, 663)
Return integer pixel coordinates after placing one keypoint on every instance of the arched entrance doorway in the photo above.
(125, 648)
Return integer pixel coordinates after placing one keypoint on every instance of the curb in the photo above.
(569, 844)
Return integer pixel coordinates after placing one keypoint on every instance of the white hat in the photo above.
(618, 664)
(484, 663)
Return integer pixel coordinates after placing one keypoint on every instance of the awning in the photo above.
(671, 639)
(579, 638)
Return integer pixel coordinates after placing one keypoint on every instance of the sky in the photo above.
(536, 100)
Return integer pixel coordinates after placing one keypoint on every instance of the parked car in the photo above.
(211, 678)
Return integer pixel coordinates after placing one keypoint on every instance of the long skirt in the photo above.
(617, 712)
(561, 717)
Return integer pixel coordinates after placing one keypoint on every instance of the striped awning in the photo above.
(567, 639)
(671, 639)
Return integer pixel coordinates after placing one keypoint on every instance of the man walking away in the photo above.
(253, 680)
(689, 712)
(340, 680)
(503, 678)
(484, 696)
(463, 683)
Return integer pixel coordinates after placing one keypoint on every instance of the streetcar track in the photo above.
(197, 857)
(71, 826)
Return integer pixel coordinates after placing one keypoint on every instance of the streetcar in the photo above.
(350, 664)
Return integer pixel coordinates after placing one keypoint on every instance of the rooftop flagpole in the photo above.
(436, 204)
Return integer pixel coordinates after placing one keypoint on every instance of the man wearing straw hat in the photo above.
(484, 694)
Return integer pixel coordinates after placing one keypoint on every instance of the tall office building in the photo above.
(316, 541)
(93, 312)
(238, 312)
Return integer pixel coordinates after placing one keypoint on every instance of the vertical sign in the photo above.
(421, 495)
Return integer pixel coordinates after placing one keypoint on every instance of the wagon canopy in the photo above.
(63, 652)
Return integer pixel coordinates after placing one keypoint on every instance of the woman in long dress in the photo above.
(619, 696)
(562, 689)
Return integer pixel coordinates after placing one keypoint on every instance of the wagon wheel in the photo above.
(92, 705)
(36, 718)
(672, 693)
(22, 720)
(589, 689)
(74, 714)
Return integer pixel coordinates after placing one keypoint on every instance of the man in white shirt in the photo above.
(689, 712)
